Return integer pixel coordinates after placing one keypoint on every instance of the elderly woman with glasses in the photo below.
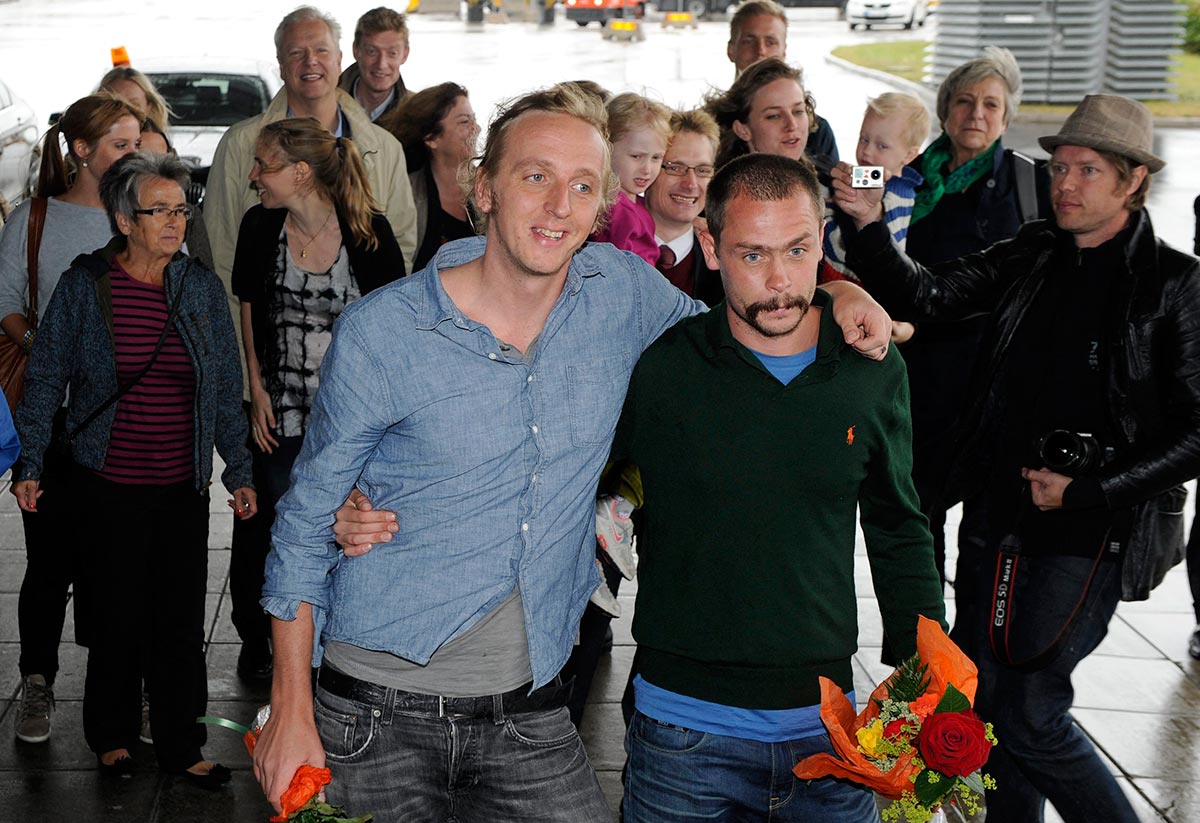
(141, 336)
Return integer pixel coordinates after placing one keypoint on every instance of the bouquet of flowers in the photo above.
(917, 742)
(299, 801)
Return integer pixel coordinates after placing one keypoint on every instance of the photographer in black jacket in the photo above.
(1093, 341)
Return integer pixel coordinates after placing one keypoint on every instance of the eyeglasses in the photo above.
(162, 212)
(681, 169)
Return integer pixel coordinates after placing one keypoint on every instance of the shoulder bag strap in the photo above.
(122, 390)
(37, 222)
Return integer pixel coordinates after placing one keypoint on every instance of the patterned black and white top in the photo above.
(303, 307)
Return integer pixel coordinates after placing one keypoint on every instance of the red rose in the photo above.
(896, 728)
(954, 743)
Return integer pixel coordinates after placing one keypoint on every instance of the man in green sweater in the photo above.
(759, 437)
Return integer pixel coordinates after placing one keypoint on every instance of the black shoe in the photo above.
(217, 777)
(607, 644)
(1194, 644)
(254, 662)
(121, 767)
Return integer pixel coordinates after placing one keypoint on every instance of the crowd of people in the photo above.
(450, 382)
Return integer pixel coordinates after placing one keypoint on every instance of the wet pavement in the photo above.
(1138, 696)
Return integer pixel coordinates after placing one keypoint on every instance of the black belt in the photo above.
(553, 695)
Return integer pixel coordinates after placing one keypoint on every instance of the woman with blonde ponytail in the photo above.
(95, 132)
(315, 244)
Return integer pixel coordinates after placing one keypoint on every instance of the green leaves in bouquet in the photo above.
(909, 681)
(315, 812)
(931, 787)
(952, 701)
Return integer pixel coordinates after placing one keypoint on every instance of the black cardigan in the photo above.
(257, 249)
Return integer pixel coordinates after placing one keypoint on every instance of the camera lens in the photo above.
(876, 174)
(1066, 452)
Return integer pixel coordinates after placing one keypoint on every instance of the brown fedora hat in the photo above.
(1109, 122)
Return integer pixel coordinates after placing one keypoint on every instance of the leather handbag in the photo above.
(12, 357)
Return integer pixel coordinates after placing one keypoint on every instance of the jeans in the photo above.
(676, 774)
(1042, 754)
(397, 759)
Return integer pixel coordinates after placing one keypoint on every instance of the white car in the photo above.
(873, 12)
(207, 95)
(18, 149)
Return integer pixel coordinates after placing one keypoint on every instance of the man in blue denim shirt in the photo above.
(476, 400)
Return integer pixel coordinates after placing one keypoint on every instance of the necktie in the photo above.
(666, 258)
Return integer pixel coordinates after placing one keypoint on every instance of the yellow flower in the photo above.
(869, 737)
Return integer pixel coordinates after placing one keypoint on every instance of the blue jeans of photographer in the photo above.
(400, 761)
(676, 775)
(1042, 754)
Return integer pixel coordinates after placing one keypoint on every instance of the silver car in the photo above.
(207, 95)
(18, 145)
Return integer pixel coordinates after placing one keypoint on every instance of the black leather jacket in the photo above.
(1152, 357)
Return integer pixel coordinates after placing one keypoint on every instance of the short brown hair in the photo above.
(764, 178)
(379, 20)
(755, 8)
(696, 121)
(1124, 168)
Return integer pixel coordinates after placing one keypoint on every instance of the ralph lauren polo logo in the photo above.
(850, 436)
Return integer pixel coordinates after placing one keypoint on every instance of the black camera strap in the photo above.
(1004, 600)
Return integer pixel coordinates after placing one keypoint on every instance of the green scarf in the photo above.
(935, 161)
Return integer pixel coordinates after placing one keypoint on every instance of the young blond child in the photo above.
(639, 130)
(893, 129)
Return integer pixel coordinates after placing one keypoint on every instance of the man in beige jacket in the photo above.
(306, 43)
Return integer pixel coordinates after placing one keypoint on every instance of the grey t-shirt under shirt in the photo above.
(491, 657)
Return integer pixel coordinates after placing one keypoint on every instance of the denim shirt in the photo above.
(490, 463)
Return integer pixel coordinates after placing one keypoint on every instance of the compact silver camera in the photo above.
(866, 177)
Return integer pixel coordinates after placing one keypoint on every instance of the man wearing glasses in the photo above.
(676, 198)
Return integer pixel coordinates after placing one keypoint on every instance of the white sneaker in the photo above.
(35, 710)
(603, 596)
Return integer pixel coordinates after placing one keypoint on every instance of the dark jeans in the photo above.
(142, 575)
(42, 604)
(395, 757)
(252, 539)
(1042, 754)
(677, 775)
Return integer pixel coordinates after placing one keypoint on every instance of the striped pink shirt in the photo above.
(153, 437)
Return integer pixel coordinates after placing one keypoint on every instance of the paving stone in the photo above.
(608, 685)
(602, 731)
(1143, 686)
(1146, 745)
(58, 795)
(1176, 799)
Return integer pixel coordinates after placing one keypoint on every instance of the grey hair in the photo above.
(995, 62)
(303, 14)
(121, 185)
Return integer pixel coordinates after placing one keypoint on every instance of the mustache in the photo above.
(775, 304)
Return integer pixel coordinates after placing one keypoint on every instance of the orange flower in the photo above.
(306, 783)
(924, 705)
(947, 664)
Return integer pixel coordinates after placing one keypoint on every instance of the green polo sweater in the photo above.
(746, 575)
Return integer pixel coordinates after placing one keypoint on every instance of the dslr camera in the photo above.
(1070, 453)
(866, 177)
